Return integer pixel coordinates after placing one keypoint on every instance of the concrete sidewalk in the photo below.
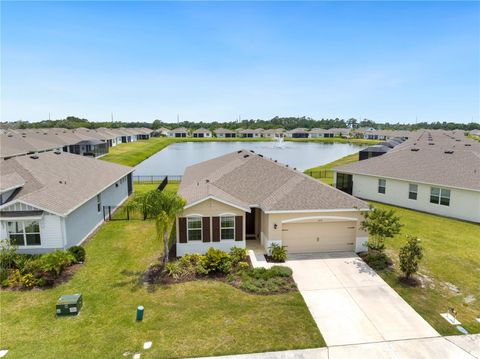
(455, 347)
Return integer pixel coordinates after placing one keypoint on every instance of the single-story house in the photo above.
(297, 133)
(320, 133)
(273, 133)
(243, 197)
(431, 173)
(178, 132)
(55, 200)
(341, 132)
(225, 133)
(251, 133)
(202, 132)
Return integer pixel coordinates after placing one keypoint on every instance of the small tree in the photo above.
(410, 254)
(380, 224)
(165, 206)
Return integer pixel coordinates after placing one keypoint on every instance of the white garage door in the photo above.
(319, 237)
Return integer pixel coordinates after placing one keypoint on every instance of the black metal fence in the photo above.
(321, 174)
(156, 179)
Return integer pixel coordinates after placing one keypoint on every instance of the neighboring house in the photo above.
(251, 133)
(386, 134)
(320, 133)
(178, 132)
(297, 133)
(434, 172)
(55, 200)
(341, 132)
(242, 197)
(162, 131)
(202, 132)
(225, 133)
(274, 133)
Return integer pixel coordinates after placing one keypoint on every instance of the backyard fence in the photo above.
(156, 178)
(321, 174)
(127, 211)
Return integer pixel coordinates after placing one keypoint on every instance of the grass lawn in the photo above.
(451, 255)
(190, 319)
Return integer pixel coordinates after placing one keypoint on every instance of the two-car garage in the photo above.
(318, 234)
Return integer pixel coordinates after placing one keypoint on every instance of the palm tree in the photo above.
(167, 205)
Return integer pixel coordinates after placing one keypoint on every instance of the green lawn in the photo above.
(190, 319)
(452, 255)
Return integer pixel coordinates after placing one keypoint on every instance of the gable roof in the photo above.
(59, 182)
(431, 157)
(246, 179)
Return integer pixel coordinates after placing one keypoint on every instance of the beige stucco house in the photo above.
(243, 198)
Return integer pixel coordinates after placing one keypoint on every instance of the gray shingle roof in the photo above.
(60, 182)
(246, 179)
(428, 163)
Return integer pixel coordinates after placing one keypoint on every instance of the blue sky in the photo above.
(384, 61)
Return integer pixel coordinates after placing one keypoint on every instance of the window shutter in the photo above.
(238, 228)
(216, 229)
(182, 229)
(206, 229)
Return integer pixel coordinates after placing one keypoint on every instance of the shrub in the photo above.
(410, 254)
(377, 260)
(216, 260)
(29, 280)
(281, 271)
(238, 255)
(279, 253)
(78, 252)
(174, 269)
(380, 224)
(8, 253)
(56, 262)
(243, 266)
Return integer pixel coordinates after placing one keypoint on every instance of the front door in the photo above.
(250, 224)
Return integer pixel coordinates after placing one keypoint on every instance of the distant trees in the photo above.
(287, 123)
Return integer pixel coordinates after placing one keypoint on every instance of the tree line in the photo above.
(287, 123)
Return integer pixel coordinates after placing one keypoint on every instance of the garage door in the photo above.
(319, 237)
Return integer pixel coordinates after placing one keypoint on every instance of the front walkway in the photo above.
(456, 347)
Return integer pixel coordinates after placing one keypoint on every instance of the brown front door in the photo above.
(250, 224)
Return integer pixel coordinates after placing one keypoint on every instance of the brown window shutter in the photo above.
(216, 229)
(238, 228)
(206, 229)
(182, 230)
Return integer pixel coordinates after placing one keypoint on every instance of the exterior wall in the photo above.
(464, 204)
(51, 234)
(209, 208)
(270, 234)
(85, 219)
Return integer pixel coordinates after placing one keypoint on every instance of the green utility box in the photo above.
(69, 304)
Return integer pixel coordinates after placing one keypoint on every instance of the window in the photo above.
(412, 191)
(227, 228)
(440, 196)
(194, 228)
(99, 203)
(24, 233)
(382, 185)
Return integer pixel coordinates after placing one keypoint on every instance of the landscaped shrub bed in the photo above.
(22, 271)
(233, 268)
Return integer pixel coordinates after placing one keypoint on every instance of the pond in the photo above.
(173, 159)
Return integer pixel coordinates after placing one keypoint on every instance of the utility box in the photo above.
(69, 304)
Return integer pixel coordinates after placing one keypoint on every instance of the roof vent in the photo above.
(57, 152)
(431, 143)
(260, 155)
(468, 144)
(207, 180)
(252, 151)
(415, 149)
(34, 157)
(449, 152)
(10, 135)
(275, 161)
(240, 151)
(245, 156)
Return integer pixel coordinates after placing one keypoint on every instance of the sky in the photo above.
(220, 61)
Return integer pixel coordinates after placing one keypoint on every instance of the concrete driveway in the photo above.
(351, 303)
